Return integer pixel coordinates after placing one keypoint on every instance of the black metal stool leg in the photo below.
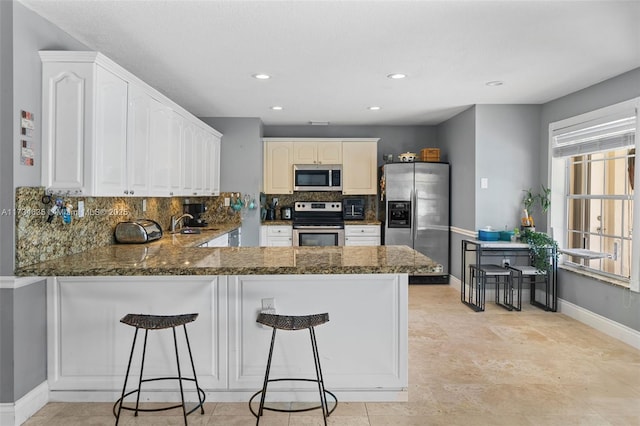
(266, 377)
(175, 344)
(121, 400)
(193, 368)
(144, 352)
(316, 360)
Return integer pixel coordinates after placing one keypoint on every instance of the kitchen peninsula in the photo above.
(364, 289)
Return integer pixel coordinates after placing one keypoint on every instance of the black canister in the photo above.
(271, 214)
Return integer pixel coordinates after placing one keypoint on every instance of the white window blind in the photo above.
(605, 134)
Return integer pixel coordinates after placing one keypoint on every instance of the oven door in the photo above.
(315, 236)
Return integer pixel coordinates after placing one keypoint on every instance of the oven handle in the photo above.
(317, 227)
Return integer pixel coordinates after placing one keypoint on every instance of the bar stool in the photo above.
(535, 277)
(479, 278)
(288, 322)
(159, 322)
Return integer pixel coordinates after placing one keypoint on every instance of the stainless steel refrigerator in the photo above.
(416, 206)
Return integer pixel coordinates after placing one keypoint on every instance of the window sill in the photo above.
(607, 280)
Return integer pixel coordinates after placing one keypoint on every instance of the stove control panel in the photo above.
(318, 206)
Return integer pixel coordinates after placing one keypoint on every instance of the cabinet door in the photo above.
(139, 128)
(188, 150)
(199, 161)
(110, 147)
(214, 164)
(305, 153)
(66, 157)
(359, 167)
(329, 152)
(176, 133)
(160, 149)
(278, 168)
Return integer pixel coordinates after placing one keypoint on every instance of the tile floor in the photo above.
(465, 368)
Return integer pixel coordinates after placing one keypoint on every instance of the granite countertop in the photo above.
(178, 254)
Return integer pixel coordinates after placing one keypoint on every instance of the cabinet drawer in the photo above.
(362, 230)
(279, 231)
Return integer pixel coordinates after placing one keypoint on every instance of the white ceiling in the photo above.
(329, 59)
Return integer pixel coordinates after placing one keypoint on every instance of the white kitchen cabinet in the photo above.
(107, 133)
(360, 167)
(138, 142)
(176, 159)
(317, 152)
(362, 235)
(278, 167)
(276, 235)
(160, 143)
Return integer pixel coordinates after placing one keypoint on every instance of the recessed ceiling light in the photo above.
(396, 76)
(277, 108)
(494, 83)
(262, 76)
(374, 108)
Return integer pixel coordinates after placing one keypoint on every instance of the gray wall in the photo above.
(24, 346)
(615, 303)
(507, 146)
(393, 139)
(458, 139)
(241, 168)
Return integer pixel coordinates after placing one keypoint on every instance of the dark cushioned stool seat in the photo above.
(289, 322)
(157, 322)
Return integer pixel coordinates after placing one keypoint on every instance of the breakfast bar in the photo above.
(363, 347)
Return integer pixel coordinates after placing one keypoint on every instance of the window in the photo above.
(592, 175)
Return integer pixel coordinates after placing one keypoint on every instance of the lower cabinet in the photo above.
(276, 236)
(362, 235)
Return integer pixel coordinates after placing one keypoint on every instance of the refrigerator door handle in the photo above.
(414, 233)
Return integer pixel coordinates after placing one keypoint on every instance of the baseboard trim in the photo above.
(611, 328)
(17, 413)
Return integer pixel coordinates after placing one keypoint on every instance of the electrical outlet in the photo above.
(227, 201)
(275, 200)
(144, 204)
(506, 262)
(268, 306)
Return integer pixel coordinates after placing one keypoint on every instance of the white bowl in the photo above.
(407, 157)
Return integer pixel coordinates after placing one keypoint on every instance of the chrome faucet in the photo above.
(175, 221)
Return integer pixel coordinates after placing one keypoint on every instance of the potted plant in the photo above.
(529, 201)
(542, 249)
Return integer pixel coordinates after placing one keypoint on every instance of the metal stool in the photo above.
(479, 276)
(158, 322)
(287, 322)
(536, 276)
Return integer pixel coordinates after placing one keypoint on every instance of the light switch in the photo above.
(484, 183)
(80, 208)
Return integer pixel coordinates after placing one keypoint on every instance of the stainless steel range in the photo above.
(318, 223)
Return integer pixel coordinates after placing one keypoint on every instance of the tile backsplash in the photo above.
(38, 241)
(287, 200)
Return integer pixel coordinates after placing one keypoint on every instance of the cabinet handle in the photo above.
(126, 192)
(131, 192)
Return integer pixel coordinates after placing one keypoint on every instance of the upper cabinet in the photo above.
(358, 157)
(360, 167)
(317, 152)
(107, 133)
(278, 167)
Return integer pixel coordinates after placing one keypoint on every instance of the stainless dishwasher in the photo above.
(234, 238)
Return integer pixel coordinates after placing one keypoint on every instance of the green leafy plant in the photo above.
(542, 249)
(528, 200)
(545, 199)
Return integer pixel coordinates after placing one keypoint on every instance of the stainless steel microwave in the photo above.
(317, 177)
